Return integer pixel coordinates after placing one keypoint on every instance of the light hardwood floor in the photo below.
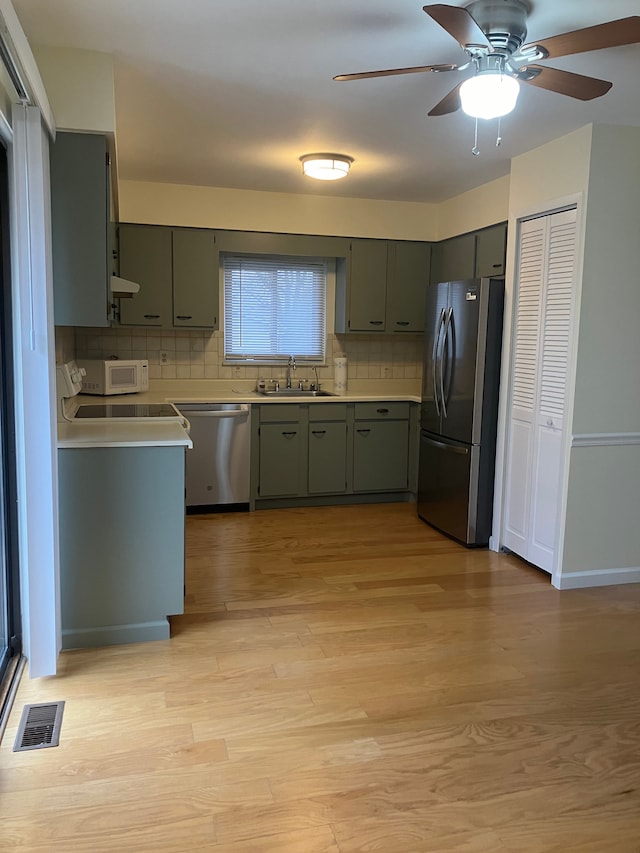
(344, 679)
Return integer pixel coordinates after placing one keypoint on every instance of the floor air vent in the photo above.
(39, 727)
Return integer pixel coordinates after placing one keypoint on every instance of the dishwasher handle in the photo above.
(237, 412)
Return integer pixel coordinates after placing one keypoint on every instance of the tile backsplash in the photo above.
(198, 354)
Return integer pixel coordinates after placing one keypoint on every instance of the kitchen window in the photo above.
(274, 307)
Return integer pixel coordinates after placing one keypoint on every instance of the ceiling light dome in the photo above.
(326, 167)
(490, 94)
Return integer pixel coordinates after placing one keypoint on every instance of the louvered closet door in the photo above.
(545, 291)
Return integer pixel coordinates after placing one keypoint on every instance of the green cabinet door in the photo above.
(282, 460)
(491, 250)
(146, 258)
(380, 456)
(195, 278)
(367, 286)
(327, 457)
(408, 270)
(80, 229)
(454, 259)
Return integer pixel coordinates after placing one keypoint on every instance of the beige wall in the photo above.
(485, 205)
(80, 88)
(215, 207)
(607, 395)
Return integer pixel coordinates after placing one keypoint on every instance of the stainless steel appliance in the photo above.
(463, 342)
(218, 464)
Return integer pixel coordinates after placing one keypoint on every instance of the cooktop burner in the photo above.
(99, 411)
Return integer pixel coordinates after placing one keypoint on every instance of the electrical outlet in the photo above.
(164, 357)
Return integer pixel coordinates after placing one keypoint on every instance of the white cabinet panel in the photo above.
(543, 328)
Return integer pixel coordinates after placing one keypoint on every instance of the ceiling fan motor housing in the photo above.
(504, 22)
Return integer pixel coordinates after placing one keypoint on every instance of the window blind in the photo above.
(274, 307)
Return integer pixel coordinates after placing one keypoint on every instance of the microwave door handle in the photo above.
(434, 361)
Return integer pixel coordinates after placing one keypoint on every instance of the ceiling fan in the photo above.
(493, 33)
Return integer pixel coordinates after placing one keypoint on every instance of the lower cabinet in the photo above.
(121, 524)
(315, 450)
(381, 447)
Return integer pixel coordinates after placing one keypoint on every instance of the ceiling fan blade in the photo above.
(566, 82)
(390, 72)
(449, 104)
(611, 34)
(459, 23)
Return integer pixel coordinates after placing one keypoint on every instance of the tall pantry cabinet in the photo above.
(545, 288)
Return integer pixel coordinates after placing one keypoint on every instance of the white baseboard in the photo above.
(597, 577)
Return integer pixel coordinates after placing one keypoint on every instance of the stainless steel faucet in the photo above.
(290, 364)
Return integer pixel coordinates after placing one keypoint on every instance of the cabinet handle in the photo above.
(363, 431)
(497, 266)
(151, 316)
(375, 322)
(184, 317)
(402, 322)
(382, 411)
(318, 432)
(289, 434)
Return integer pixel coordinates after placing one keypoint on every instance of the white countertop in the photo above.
(115, 433)
(242, 391)
(145, 433)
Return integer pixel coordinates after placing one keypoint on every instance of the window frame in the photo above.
(328, 265)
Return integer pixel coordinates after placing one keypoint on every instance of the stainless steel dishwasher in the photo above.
(218, 465)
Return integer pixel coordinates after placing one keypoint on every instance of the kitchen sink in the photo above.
(295, 392)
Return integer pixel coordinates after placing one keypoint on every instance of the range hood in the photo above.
(123, 287)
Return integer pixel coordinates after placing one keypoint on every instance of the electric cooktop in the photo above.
(109, 411)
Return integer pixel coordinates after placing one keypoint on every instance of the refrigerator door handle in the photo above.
(445, 338)
(434, 361)
(451, 448)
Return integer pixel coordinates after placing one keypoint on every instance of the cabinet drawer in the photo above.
(279, 413)
(327, 411)
(381, 411)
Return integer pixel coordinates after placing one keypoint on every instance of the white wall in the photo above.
(602, 533)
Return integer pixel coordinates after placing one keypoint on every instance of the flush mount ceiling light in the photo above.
(490, 94)
(326, 167)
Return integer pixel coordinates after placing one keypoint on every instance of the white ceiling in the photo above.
(230, 93)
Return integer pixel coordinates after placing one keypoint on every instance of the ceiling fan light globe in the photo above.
(326, 167)
(489, 95)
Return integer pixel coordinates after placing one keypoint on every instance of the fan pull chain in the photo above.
(499, 137)
(475, 150)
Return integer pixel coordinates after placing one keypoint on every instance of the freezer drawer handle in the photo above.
(461, 451)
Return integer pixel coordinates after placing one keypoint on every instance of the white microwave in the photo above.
(114, 376)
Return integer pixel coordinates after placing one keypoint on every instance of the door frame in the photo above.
(557, 205)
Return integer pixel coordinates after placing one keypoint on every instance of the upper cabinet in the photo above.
(491, 249)
(454, 259)
(476, 255)
(80, 229)
(408, 266)
(178, 273)
(381, 286)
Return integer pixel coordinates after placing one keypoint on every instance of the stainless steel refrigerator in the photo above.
(459, 411)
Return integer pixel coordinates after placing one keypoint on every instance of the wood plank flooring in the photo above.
(344, 679)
